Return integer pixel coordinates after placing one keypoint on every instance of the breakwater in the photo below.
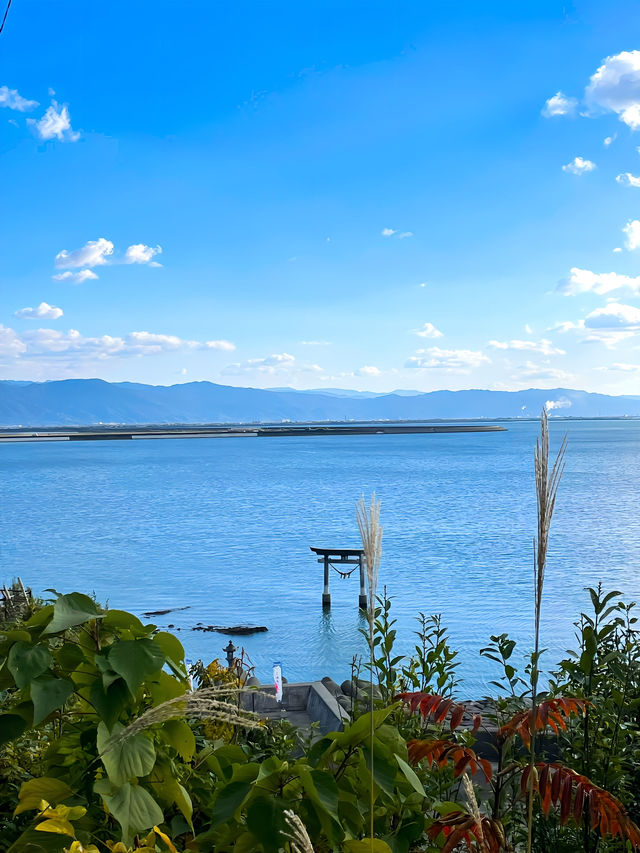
(117, 433)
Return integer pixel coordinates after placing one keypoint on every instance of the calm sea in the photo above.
(224, 526)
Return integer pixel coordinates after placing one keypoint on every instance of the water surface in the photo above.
(225, 525)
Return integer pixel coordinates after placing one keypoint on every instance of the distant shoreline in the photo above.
(124, 433)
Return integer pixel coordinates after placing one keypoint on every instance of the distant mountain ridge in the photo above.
(82, 402)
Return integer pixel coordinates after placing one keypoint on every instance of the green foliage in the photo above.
(69, 693)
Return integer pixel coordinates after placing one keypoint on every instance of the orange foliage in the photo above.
(460, 826)
(440, 752)
(553, 712)
(436, 708)
(576, 794)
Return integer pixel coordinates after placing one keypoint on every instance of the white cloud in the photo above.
(544, 346)
(401, 235)
(564, 326)
(368, 370)
(559, 105)
(460, 360)
(75, 277)
(532, 372)
(55, 123)
(578, 166)
(141, 254)
(10, 342)
(628, 180)
(428, 331)
(222, 345)
(528, 329)
(615, 87)
(608, 140)
(612, 324)
(92, 254)
(315, 343)
(14, 101)
(274, 363)
(632, 234)
(562, 403)
(625, 368)
(72, 344)
(617, 249)
(585, 281)
(614, 316)
(43, 311)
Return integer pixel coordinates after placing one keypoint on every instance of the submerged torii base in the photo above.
(334, 557)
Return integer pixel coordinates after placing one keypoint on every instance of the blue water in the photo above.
(224, 526)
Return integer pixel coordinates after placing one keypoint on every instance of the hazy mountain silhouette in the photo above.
(93, 401)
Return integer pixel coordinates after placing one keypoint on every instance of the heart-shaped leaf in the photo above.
(71, 610)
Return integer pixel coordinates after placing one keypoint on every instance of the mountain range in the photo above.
(78, 402)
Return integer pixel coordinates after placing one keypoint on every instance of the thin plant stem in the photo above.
(371, 535)
(547, 482)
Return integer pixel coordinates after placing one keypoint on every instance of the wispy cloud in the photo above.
(579, 166)
(52, 342)
(54, 124)
(315, 343)
(44, 311)
(544, 346)
(13, 100)
(368, 370)
(281, 362)
(458, 361)
(428, 331)
(628, 180)
(74, 277)
(559, 105)
(400, 235)
(94, 253)
(99, 253)
(632, 234)
(585, 281)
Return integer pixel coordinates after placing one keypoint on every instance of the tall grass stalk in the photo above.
(371, 534)
(547, 482)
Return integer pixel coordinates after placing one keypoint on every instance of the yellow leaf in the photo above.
(59, 825)
(166, 839)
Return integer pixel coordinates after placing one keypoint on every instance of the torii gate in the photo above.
(334, 557)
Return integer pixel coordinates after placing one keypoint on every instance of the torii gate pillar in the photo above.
(334, 557)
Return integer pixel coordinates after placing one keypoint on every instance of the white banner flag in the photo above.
(277, 680)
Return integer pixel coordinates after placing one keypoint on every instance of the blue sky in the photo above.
(363, 195)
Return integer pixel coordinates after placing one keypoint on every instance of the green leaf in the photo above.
(359, 731)
(122, 619)
(384, 770)
(229, 801)
(178, 734)
(170, 645)
(264, 820)
(71, 610)
(411, 776)
(375, 845)
(134, 660)
(111, 702)
(131, 805)
(11, 727)
(27, 661)
(32, 793)
(130, 758)
(48, 694)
